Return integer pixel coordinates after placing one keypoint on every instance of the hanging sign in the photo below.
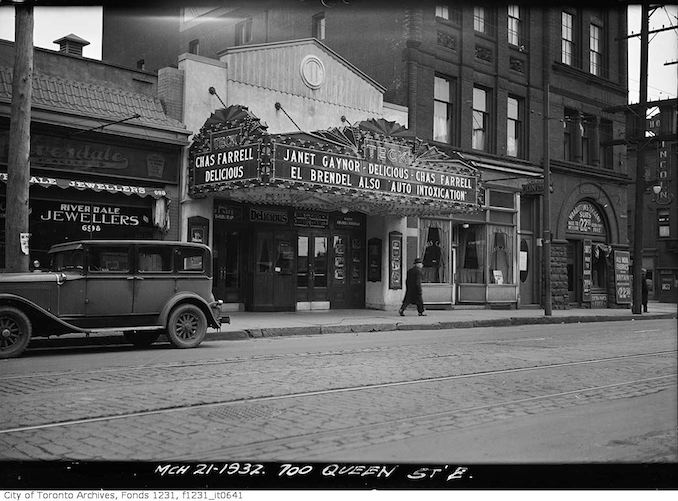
(622, 278)
(585, 218)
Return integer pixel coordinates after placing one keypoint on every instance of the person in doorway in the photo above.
(643, 288)
(413, 289)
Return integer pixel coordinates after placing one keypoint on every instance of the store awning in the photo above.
(98, 186)
(374, 168)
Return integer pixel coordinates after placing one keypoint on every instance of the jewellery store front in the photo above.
(316, 220)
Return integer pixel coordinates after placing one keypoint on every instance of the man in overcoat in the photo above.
(413, 289)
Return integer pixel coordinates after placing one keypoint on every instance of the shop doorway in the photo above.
(312, 266)
(526, 275)
(574, 271)
(273, 271)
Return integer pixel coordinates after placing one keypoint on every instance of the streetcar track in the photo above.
(264, 358)
(355, 429)
(287, 396)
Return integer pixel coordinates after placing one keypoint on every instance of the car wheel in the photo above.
(141, 339)
(15, 332)
(187, 326)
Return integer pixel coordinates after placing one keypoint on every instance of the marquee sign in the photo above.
(314, 167)
(235, 163)
(585, 218)
(370, 164)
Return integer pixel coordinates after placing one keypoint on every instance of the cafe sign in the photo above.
(585, 218)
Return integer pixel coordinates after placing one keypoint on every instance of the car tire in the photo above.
(187, 326)
(141, 339)
(15, 332)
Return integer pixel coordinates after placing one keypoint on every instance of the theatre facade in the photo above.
(313, 196)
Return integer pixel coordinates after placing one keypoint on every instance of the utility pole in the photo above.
(18, 166)
(546, 233)
(638, 212)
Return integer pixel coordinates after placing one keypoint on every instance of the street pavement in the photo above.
(269, 324)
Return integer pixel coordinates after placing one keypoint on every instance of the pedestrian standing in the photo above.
(643, 288)
(413, 289)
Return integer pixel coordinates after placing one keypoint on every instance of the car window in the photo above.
(154, 259)
(189, 259)
(72, 260)
(109, 259)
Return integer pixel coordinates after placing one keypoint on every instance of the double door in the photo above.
(312, 270)
(273, 271)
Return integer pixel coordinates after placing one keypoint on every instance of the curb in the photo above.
(119, 340)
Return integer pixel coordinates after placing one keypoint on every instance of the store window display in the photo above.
(471, 255)
(434, 238)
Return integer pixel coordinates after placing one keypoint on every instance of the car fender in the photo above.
(189, 298)
(38, 315)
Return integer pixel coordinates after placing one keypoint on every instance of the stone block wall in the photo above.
(559, 295)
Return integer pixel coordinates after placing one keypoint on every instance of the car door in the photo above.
(109, 285)
(154, 281)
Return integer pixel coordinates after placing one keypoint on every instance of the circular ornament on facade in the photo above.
(312, 72)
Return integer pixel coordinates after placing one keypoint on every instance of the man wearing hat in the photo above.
(413, 289)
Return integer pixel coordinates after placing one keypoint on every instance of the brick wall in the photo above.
(171, 91)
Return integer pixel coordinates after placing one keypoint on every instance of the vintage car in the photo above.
(140, 288)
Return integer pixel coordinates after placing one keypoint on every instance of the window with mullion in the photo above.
(595, 50)
(514, 25)
(567, 39)
(443, 109)
(514, 127)
(448, 11)
(481, 119)
(243, 32)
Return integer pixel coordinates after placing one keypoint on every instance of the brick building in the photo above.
(660, 231)
(104, 155)
(473, 79)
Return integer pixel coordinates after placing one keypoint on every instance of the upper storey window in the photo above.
(595, 50)
(568, 44)
(514, 34)
(448, 12)
(243, 32)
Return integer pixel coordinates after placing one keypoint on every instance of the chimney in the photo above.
(71, 44)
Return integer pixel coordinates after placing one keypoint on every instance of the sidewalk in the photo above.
(246, 325)
(264, 324)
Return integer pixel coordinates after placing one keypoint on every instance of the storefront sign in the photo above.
(587, 279)
(236, 163)
(311, 219)
(48, 182)
(228, 213)
(268, 216)
(89, 217)
(585, 218)
(622, 278)
(67, 154)
(347, 222)
(315, 167)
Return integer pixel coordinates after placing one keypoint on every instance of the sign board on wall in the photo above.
(587, 279)
(585, 218)
(622, 277)
(395, 260)
(76, 155)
